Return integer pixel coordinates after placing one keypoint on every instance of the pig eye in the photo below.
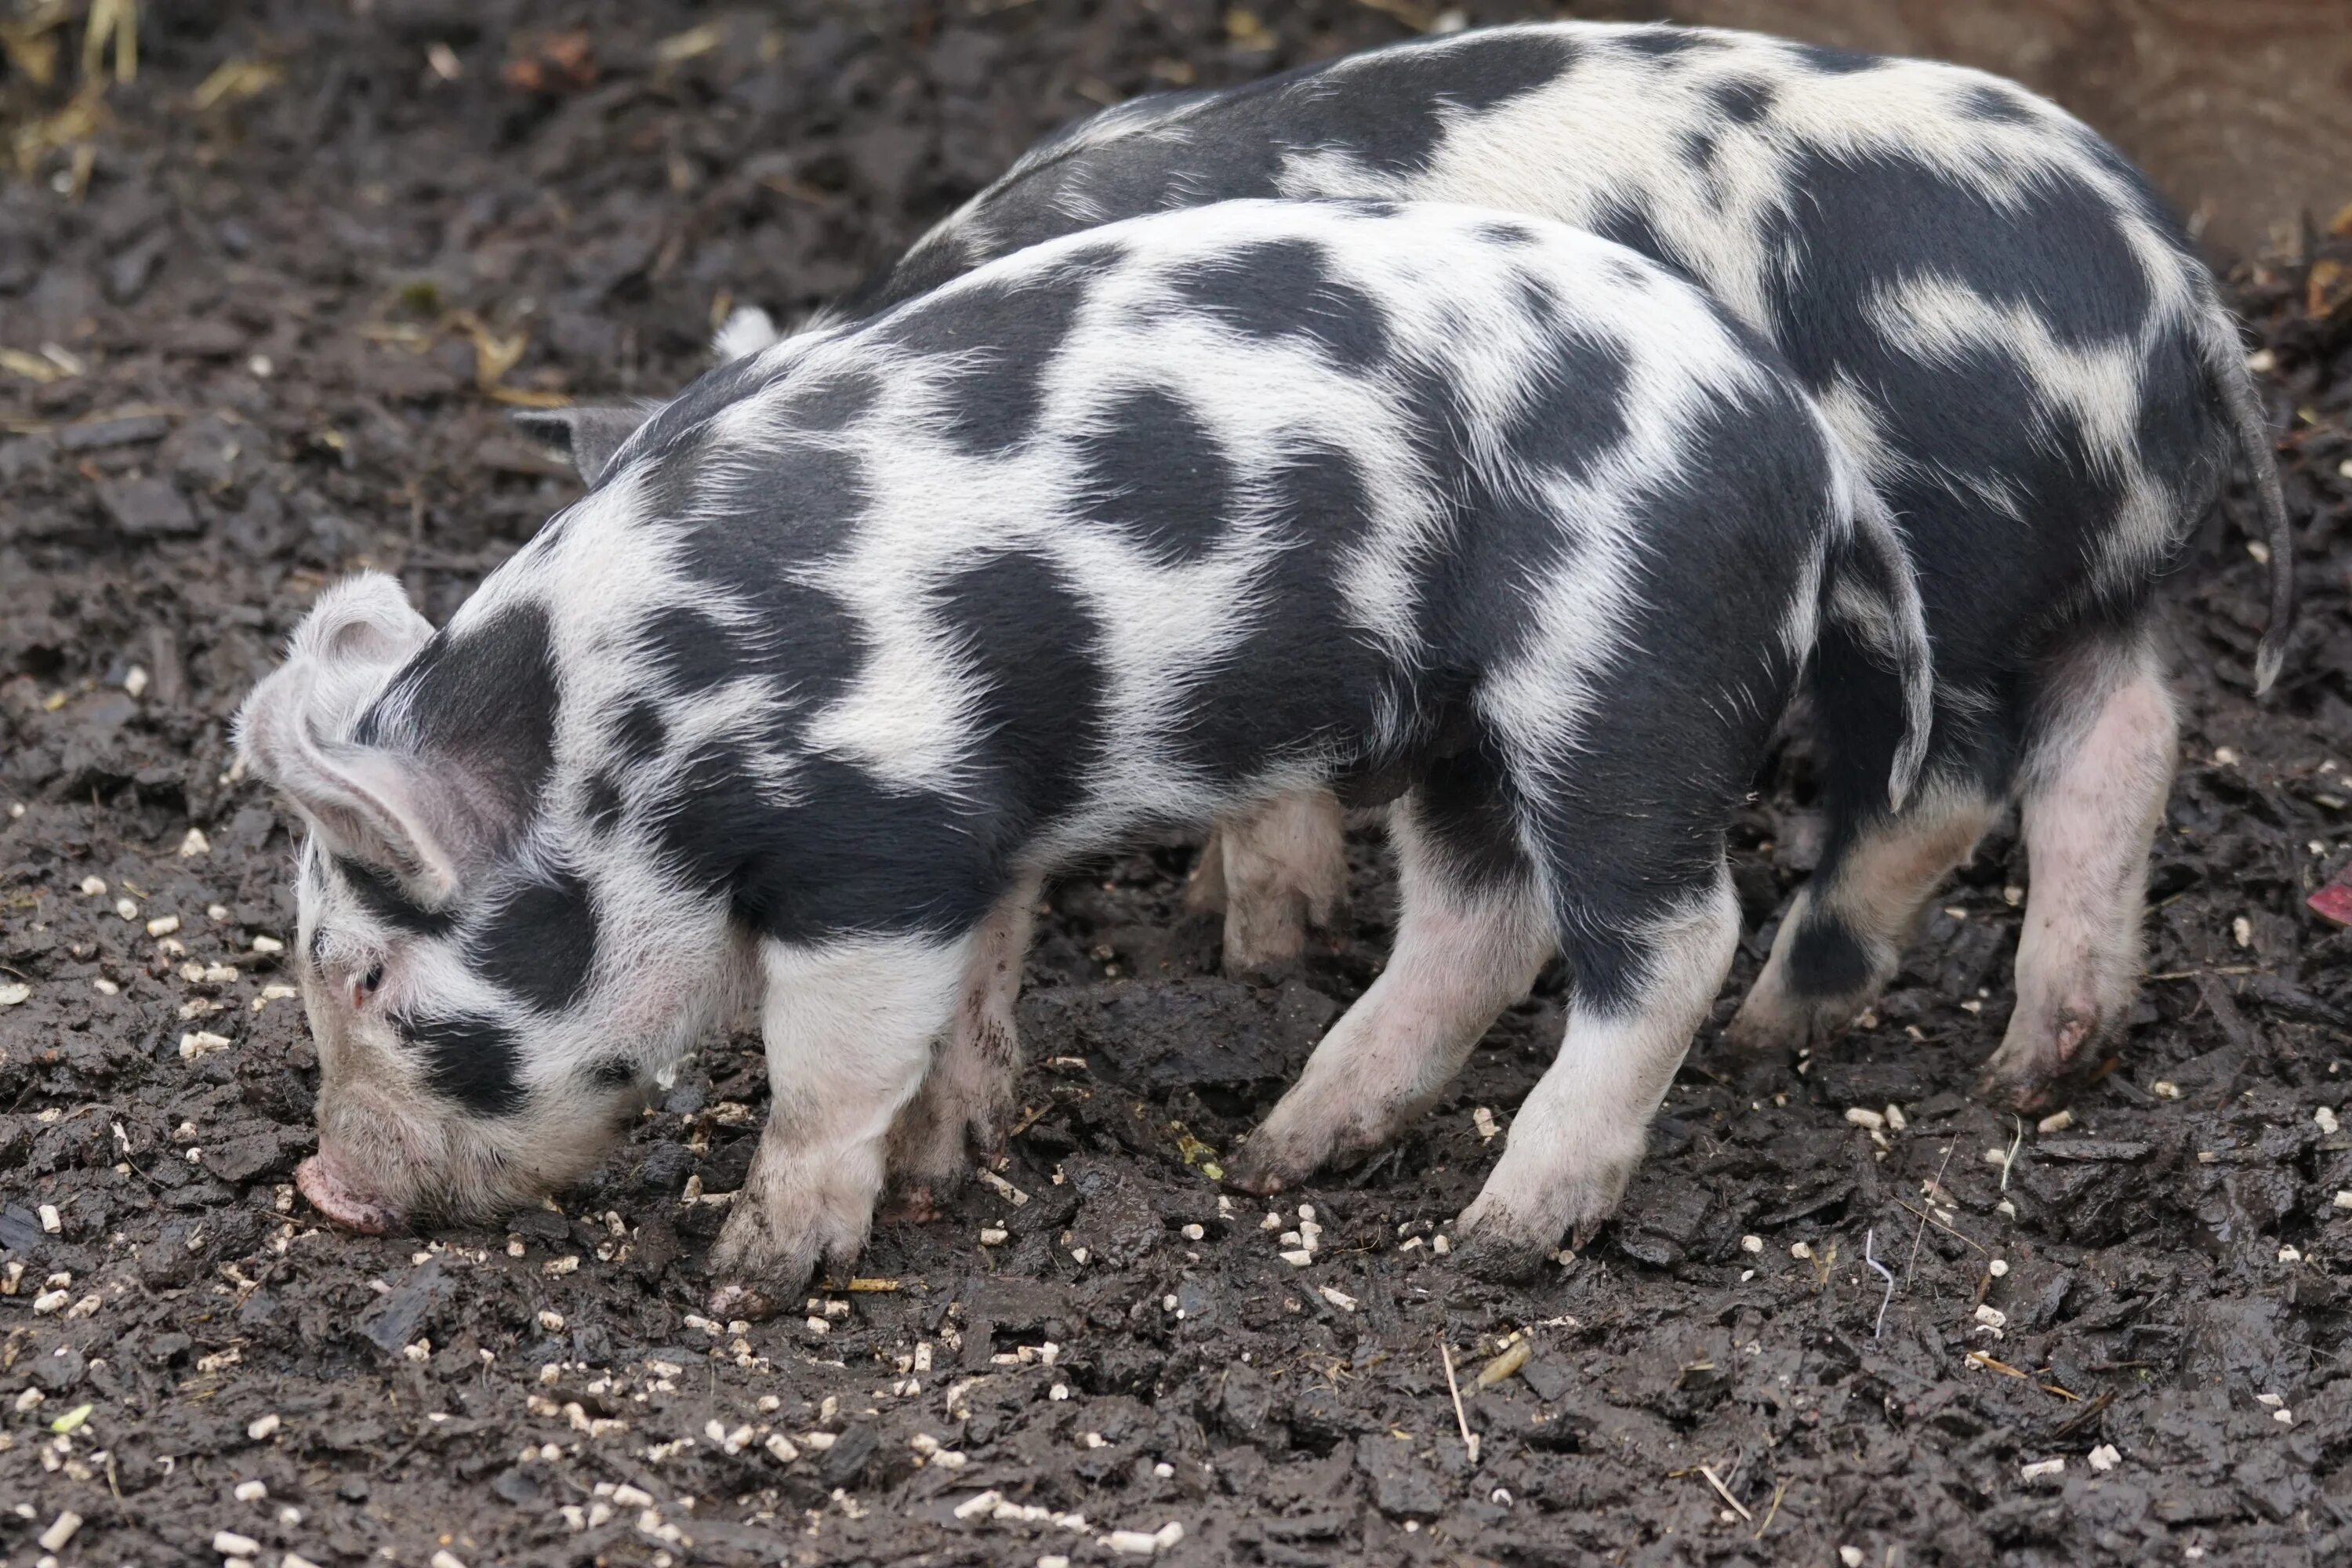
(373, 979)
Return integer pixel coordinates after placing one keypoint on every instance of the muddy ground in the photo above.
(288, 305)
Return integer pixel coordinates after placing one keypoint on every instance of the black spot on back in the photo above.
(1304, 678)
(1836, 62)
(1667, 45)
(539, 942)
(1283, 288)
(1983, 100)
(1005, 332)
(1743, 100)
(1628, 224)
(1572, 412)
(828, 400)
(1863, 224)
(1394, 116)
(472, 1061)
(1036, 648)
(1148, 467)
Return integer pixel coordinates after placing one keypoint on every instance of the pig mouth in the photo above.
(334, 1195)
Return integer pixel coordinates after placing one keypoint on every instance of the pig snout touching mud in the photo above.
(862, 636)
(2010, 333)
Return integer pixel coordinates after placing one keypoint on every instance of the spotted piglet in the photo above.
(861, 638)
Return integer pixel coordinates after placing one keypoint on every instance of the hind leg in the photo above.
(1583, 1128)
(967, 1097)
(1843, 934)
(1277, 870)
(1469, 942)
(2093, 790)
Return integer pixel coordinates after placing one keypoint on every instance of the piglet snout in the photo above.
(334, 1195)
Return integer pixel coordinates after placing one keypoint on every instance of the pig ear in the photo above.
(366, 802)
(587, 437)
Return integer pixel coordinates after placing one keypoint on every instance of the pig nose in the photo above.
(333, 1192)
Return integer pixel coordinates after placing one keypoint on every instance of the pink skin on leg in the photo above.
(1583, 1129)
(1461, 957)
(333, 1194)
(1276, 871)
(2092, 800)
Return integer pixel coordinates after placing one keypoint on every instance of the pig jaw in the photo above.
(333, 1192)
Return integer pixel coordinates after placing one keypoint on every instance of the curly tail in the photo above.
(1871, 590)
(2250, 426)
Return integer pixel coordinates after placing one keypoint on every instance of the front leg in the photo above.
(850, 1027)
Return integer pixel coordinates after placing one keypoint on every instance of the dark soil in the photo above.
(274, 385)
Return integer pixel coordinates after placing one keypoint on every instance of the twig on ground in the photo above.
(1771, 1513)
(1725, 1492)
(1469, 1439)
(1870, 1256)
(1937, 1183)
(2009, 1161)
(1939, 1224)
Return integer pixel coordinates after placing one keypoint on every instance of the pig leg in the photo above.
(1276, 869)
(1843, 935)
(850, 1028)
(2094, 791)
(1583, 1128)
(1466, 948)
(967, 1097)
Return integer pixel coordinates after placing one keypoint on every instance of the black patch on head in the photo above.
(1148, 467)
(1983, 100)
(539, 942)
(1277, 289)
(469, 1061)
(1304, 678)
(1836, 62)
(1667, 45)
(382, 896)
(1005, 332)
(1741, 100)
(481, 702)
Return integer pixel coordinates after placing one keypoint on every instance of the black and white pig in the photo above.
(857, 639)
(2008, 332)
